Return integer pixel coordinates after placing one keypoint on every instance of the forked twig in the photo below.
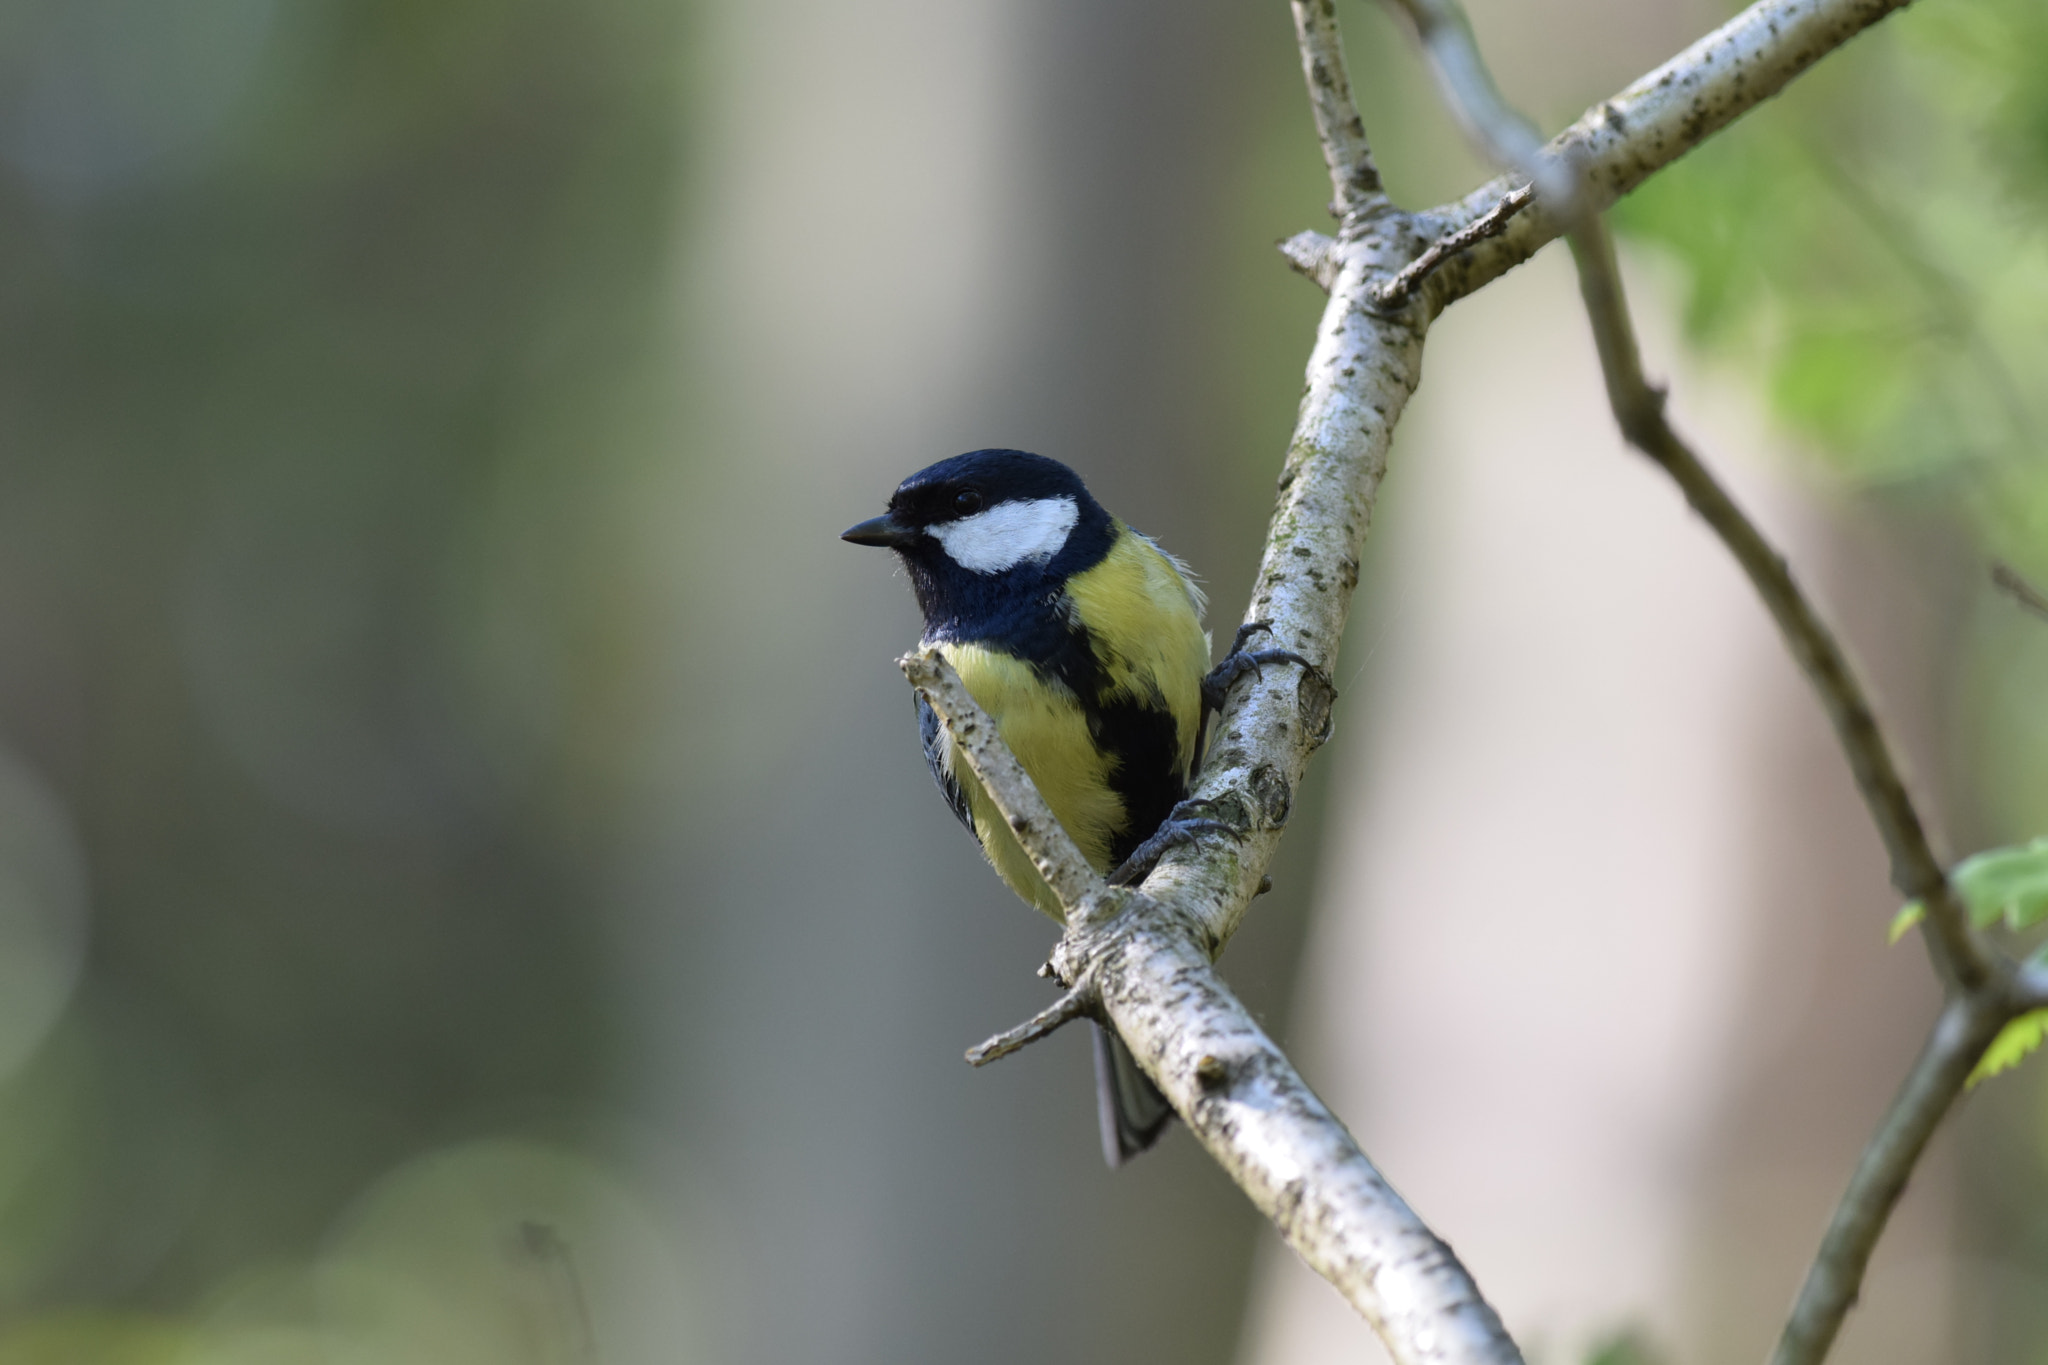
(1985, 992)
(1145, 960)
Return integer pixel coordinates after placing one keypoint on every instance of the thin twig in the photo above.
(1499, 131)
(1052, 850)
(1980, 1003)
(1492, 223)
(1966, 1026)
(1075, 1004)
(2023, 592)
(1505, 135)
(1312, 254)
(1639, 408)
(562, 1329)
(1354, 179)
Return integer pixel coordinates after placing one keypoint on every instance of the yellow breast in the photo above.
(1144, 626)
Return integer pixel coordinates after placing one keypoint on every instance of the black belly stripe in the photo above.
(1140, 736)
(1144, 741)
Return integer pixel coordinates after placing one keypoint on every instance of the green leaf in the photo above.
(2012, 1045)
(1630, 1347)
(1903, 922)
(2005, 882)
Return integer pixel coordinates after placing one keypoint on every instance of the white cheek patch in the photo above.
(1008, 534)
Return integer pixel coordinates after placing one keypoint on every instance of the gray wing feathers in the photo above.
(1130, 1109)
(938, 753)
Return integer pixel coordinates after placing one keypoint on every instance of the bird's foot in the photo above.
(1179, 829)
(1240, 661)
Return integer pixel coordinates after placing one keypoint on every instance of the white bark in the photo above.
(1143, 959)
(1621, 142)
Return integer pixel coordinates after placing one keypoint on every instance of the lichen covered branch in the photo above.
(1052, 850)
(1355, 191)
(1242, 1099)
(1145, 967)
(1492, 223)
(1621, 142)
(1141, 959)
(1075, 1004)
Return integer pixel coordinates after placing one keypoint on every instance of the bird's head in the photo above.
(981, 529)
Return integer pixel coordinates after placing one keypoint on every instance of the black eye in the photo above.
(967, 502)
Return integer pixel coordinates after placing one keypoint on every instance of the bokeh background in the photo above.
(468, 888)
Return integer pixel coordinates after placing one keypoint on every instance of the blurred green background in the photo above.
(453, 782)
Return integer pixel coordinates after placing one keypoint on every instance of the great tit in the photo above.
(1083, 640)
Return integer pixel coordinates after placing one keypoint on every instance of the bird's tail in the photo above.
(1130, 1108)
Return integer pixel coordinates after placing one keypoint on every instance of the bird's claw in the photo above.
(1216, 686)
(1178, 830)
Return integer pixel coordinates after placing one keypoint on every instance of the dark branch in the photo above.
(1639, 408)
(2023, 592)
(1964, 1029)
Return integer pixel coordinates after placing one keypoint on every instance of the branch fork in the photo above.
(1142, 961)
(1985, 990)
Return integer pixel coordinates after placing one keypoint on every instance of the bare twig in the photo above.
(2023, 592)
(1983, 998)
(1312, 254)
(1639, 408)
(1052, 850)
(1474, 98)
(1985, 994)
(1621, 142)
(1966, 1026)
(1075, 1004)
(1354, 179)
(561, 1326)
(1489, 224)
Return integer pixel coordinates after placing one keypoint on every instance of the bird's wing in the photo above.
(938, 752)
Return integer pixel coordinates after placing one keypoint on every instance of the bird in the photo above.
(1084, 642)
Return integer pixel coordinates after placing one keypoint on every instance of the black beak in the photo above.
(884, 531)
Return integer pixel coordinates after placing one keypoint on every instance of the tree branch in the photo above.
(1492, 223)
(1052, 850)
(1504, 134)
(1144, 957)
(1639, 409)
(1965, 1027)
(2021, 591)
(1985, 993)
(1355, 192)
(1312, 254)
(1623, 141)
(1475, 101)
(1075, 1004)
(1147, 968)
